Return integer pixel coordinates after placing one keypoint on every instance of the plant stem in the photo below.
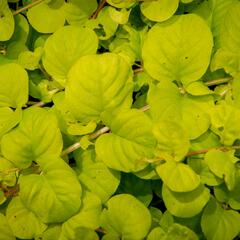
(221, 148)
(93, 136)
(198, 152)
(101, 230)
(39, 104)
(100, 7)
(98, 133)
(70, 149)
(145, 108)
(138, 70)
(218, 81)
(27, 7)
(10, 191)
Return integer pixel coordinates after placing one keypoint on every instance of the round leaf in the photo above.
(55, 194)
(96, 84)
(167, 103)
(5, 230)
(88, 217)
(179, 232)
(222, 164)
(46, 19)
(95, 175)
(173, 142)
(218, 223)
(65, 47)
(14, 85)
(179, 49)
(121, 3)
(37, 134)
(9, 119)
(79, 11)
(187, 204)
(6, 21)
(24, 223)
(126, 149)
(126, 217)
(156, 234)
(179, 177)
(159, 10)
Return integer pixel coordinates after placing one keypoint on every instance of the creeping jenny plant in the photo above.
(119, 119)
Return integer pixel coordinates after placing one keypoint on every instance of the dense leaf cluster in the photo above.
(119, 119)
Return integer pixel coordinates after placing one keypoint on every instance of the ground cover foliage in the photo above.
(119, 119)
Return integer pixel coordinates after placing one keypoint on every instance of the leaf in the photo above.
(78, 12)
(9, 119)
(46, 19)
(218, 223)
(227, 60)
(95, 84)
(207, 140)
(187, 204)
(230, 41)
(37, 134)
(156, 234)
(19, 38)
(198, 89)
(166, 221)
(178, 232)
(65, 47)
(104, 25)
(232, 198)
(3, 198)
(186, 1)
(225, 119)
(222, 164)
(14, 82)
(8, 173)
(96, 176)
(159, 10)
(6, 21)
(178, 177)
(55, 195)
(219, 11)
(121, 3)
(127, 226)
(228, 56)
(141, 189)
(5, 231)
(173, 142)
(53, 232)
(167, 103)
(202, 169)
(79, 129)
(171, 53)
(88, 218)
(156, 216)
(24, 223)
(30, 60)
(110, 237)
(123, 150)
(120, 17)
(128, 43)
(85, 143)
(82, 233)
(147, 173)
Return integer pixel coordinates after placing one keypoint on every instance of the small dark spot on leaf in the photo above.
(221, 128)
